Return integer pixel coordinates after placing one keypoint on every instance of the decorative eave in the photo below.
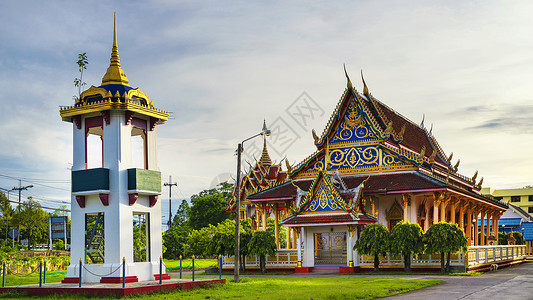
(70, 111)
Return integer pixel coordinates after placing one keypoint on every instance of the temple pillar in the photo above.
(263, 216)
(436, 212)
(349, 248)
(288, 237)
(461, 215)
(405, 198)
(482, 229)
(298, 246)
(443, 211)
(476, 227)
(452, 212)
(276, 227)
(495, 220)
(294, 239)
(489, 228)
(469, 226)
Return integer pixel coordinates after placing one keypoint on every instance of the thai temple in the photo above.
(116, 212)
(371, 165)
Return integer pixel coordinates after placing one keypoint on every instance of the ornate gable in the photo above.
(322, 198)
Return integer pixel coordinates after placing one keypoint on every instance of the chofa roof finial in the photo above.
(365, 88)
(349, 82)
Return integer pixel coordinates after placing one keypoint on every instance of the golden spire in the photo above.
(265, 158)
(115, 74)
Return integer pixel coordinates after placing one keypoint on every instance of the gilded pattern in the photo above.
(353, 127)
(323, 200)
(358, 157)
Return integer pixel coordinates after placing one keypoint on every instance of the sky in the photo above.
(222, 67)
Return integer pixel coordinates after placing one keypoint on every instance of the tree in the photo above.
(374, 240)
(223, 240)
(198, 241)
(406, 239)
(209, 206)
(282, 234)
(503, 238)
(34, 220)
(174, 241)
(181, 219)
(6, 209)
(445, 238)
(261, 244)
(82, 65)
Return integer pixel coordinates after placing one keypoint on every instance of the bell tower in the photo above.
(116, 182)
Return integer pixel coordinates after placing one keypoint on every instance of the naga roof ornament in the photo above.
(349, 82)
(365, 88)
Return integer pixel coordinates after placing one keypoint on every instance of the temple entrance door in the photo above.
(330, 248)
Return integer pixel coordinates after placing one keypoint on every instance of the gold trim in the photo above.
(67, 112)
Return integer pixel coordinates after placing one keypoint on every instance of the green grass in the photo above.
(13, 280)
(200, 263)
(284, 288)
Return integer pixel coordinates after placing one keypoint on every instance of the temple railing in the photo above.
(456, 259)
(283, 258)
(493, 254)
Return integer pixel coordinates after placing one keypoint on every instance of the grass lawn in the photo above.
(199, 263)
(12, 280)
(285, 288)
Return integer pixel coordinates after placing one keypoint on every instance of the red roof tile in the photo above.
(345, 218)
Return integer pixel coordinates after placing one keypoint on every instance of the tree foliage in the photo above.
(445, 238)
(503, 238)
(406, 239)
(82, 63)
(33, 221)
(209, 206)
(374, 240)
(261, 244)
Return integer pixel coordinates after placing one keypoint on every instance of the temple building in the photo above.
(371, 165)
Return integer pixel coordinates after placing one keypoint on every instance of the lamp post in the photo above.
(20, 188)
(240, 148)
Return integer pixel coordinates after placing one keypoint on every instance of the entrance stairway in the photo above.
(95, 246)
(327, 268)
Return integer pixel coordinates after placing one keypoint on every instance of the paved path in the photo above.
(515, 282)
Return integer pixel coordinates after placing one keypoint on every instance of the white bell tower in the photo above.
(116, 183)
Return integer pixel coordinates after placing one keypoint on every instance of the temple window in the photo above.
(94, 238)
(141, 237)
(94, 145)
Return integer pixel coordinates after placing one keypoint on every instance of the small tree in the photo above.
(82, 65)
(406, 239)
(261, 244)
(445, 238)
(373, 241)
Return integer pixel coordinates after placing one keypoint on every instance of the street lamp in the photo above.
(240, 149)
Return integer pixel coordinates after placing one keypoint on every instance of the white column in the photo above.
(349, 249)
(299, 246)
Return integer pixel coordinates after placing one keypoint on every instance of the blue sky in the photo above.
(221, 67)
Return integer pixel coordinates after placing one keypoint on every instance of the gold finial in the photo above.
(288, 165)
(449, 160)
(114, 73)
(423, 118)
(456, 167)
(365, 88)
(401, 133)
(315, 136)
(349, 83)
(474, 177)
(480, 183)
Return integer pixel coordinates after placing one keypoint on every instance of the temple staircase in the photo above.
(327, 268)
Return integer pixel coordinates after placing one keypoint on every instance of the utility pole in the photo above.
(20, 188)
(170, 184)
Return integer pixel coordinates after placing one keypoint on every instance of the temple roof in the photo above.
(337, 219)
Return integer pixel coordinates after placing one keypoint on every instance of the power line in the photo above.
(40, 206)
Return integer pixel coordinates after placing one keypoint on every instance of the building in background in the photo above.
(522, 197)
